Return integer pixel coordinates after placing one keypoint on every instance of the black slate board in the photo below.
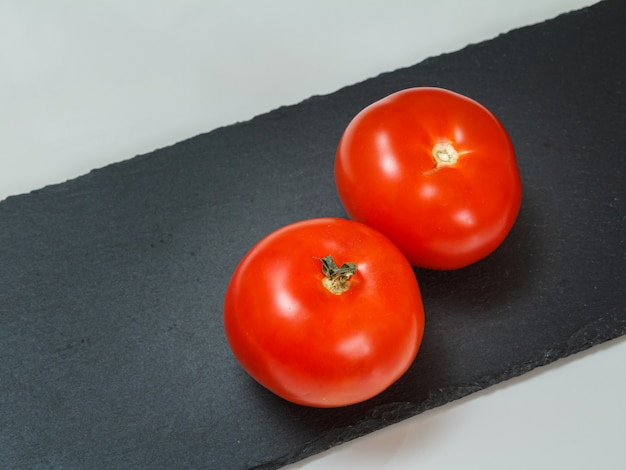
(111, 285)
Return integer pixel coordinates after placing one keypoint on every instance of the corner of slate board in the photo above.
(111, 284)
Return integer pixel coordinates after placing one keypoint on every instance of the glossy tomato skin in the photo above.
(441, 217)
(313, 347)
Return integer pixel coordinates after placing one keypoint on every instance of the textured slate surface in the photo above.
(111, 285)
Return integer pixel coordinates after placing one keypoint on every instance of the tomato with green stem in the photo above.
(324, 313)
(434, 171)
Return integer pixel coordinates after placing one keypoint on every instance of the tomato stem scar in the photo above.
(445, 154)
(337, 279)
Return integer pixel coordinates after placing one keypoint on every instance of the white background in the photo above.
(84, 84)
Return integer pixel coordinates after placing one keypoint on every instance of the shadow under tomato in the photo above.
(471, 314)
(495, 280)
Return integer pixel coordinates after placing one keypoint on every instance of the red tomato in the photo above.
(434, 171)
(317, 334)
